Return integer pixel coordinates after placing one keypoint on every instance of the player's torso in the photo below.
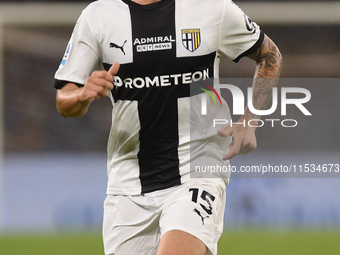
(161, 48)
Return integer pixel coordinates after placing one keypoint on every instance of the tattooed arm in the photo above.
(269, 62)
(268, 66)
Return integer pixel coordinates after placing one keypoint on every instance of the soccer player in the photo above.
(143, 55)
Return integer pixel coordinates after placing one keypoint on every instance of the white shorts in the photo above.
(134, 225)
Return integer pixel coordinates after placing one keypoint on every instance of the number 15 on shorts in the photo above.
(207, 199)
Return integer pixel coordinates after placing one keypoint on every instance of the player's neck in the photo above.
(145, 2)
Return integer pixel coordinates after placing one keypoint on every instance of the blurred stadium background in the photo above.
(53, 170)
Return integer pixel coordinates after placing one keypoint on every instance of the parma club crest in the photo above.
(191, 39)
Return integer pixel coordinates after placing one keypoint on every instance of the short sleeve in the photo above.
(240, 36)
(81, 57)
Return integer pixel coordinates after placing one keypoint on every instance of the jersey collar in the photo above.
(154, 6)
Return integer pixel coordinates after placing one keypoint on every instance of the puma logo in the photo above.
(113, 45)
(199, 214)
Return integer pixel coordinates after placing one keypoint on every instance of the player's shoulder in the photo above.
(224, 6)
(105, 3)
(101, 6)
(230, 5)
(226, 2)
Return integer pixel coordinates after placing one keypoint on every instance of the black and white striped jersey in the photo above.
(162, 48)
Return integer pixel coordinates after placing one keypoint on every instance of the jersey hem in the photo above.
(139, 191)
(162, 187)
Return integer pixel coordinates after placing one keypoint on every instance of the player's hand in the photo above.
(244, 139)
(98, 84)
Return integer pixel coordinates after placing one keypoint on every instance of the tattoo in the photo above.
(269, 62)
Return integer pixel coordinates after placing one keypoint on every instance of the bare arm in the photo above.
(74, 101)
(268, 67)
